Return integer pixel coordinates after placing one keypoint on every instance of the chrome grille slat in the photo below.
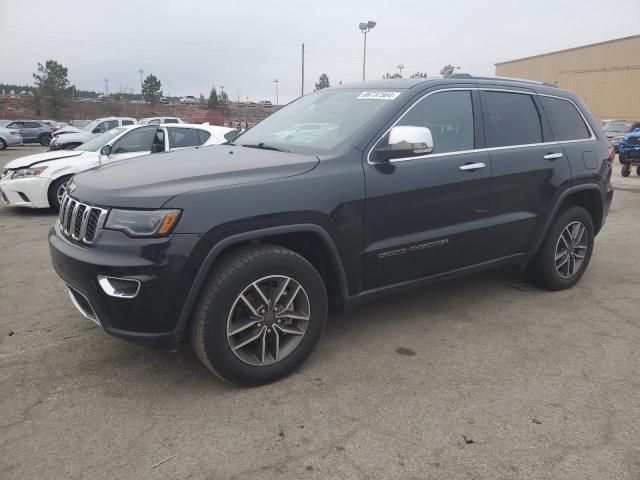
(81, 222)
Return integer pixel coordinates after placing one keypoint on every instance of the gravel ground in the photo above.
(470, 379)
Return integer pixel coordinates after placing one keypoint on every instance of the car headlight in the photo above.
(28, 172)
(142, 223)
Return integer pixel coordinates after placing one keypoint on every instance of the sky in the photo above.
(245, 45)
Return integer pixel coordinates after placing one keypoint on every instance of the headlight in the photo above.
(28, 172)
(143, 223)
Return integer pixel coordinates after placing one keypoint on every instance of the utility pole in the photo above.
(275, 82)
(141, 72)
(400, 67)
(106, 87)
(222, 91)
(302, 85)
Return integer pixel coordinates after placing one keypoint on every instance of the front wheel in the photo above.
(56, 192)
(260, 315)
(45, 140)
(626, 170)
(565, 252)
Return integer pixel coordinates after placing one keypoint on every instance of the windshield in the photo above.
(101, 140)
(617, 127)
(318, 122)
(90, 126)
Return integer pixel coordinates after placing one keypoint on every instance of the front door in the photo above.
(426, 215)
(136, 143)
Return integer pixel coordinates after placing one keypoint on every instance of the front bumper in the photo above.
(30, 192)
(159, 265)
(629, 154)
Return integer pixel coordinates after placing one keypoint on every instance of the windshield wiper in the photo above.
(262, 146)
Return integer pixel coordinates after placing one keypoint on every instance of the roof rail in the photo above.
(509, 79)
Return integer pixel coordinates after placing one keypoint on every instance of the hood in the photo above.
(67, 129)
(152, 180)
(40, 158)
(73, 137)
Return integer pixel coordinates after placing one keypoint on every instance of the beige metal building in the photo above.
(605, 75)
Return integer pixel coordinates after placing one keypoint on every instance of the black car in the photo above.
(344, 195)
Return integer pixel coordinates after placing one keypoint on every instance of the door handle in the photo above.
(472, 166)
(552, 156)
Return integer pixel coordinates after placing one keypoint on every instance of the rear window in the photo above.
(127, 122)
(511, 119)
(566, 122)
(184, 137)
(171, 120)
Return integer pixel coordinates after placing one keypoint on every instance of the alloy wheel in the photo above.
(62, 190)
(268, 320)
(571, 249)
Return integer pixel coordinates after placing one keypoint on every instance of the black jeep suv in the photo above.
(343, 195)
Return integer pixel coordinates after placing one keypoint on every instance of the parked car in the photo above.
(32, 131)
(9, 138)
(241, 248)
(189, 100)
(70, 137)
(629, 148)
(617, 129)
(159, 120)
(265, 103)
(79, 123)
(39, 181)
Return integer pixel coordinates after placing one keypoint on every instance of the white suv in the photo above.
(70, 137)
(39, 181)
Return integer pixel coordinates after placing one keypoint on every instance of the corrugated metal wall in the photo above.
(605, 75)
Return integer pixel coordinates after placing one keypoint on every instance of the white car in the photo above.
(159, 120)
(39, 181)
(70, 137)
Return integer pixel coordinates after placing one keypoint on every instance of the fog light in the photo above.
(119, 287)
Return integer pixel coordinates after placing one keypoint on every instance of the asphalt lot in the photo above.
(471, 379)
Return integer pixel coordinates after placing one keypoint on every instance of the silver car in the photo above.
(32, 131)
(9, 138)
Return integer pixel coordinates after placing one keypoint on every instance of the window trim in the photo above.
(484, 149)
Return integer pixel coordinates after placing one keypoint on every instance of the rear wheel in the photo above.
(566, 251)
(626, 170)
(3, 144)
(57, 190)
(45, 139)
(260, 315)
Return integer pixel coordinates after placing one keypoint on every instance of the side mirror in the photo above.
(105, 150)
(406, 141)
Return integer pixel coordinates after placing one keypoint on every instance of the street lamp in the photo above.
(275, 82)
(141, 72)
(400, 67)
(365, 27)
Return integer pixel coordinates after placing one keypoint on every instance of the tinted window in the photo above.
(126, 122)
(138, 140)
(15, 125)
(31, 125)
(449, 116)
(204, 136)
(566, 122)
(510, 119)
(183, 137)
(171, 120)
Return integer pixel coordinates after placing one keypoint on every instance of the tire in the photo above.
(553, 274)
(54, 191)
(222, 310)
(621, 158)
(3, 144)
(626, 170)
(638, 170)
(44, 139)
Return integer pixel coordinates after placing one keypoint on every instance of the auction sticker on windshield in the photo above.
(377, 95)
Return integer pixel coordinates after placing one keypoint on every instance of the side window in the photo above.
(155, 121)
(566, 122)
(449, 116)
(510, 119)
(112, 124)
(170, 120)
(101, 127)
(15, 125)
(183, 137)
(126, 122)
(204, 136)
(138, 140)
(31, 125)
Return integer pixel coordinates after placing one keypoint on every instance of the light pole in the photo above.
(141, 72)
(400, 67)
(365, 27)
(275, 82)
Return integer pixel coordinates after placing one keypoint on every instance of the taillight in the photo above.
(14, 132)
(612, 153)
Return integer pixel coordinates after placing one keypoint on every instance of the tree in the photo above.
(419, 75)
(52, 89)
(202, 102)
(447, 70)
(323, 82)
(388, 76)
(213, 98)
(151, 89)
(223, 98)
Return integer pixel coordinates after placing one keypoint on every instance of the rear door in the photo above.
(426, 215)
(528, 168)
(182, 137)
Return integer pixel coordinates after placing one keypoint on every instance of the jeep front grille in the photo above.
(633, 140)
(79, 221)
